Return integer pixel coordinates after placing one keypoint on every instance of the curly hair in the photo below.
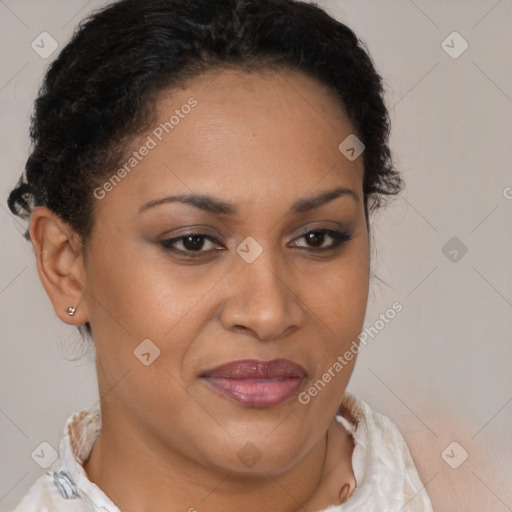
(101, 90)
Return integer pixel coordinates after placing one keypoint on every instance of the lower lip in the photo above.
(257, 392)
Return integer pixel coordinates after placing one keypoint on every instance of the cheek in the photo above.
(342, 293)
(136, 294)
(340, 304)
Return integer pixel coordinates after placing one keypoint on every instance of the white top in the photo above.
(384, 470)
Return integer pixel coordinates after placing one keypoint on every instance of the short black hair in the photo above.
(100, 91)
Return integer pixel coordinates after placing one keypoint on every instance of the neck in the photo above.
(139, 474)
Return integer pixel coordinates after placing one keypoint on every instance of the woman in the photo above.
(199, 193)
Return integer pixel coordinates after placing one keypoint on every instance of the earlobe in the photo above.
(59, 261)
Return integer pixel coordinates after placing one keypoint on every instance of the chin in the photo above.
(259, 454)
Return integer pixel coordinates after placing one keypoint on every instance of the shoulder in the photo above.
(383, 466)
(51, 491)
(64, 486)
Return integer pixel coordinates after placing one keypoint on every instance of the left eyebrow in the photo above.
(306, 205)
(218, 207)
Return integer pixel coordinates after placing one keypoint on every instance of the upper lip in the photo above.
(257, 369)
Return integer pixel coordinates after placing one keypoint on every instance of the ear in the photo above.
(59, 258)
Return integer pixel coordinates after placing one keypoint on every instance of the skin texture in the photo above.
(260, 141)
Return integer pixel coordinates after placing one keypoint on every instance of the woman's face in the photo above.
(257, 148)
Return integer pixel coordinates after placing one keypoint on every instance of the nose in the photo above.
(262, 300)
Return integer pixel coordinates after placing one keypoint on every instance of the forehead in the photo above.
(260, 99)
(231, 133)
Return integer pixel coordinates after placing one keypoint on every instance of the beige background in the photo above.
(442, 368)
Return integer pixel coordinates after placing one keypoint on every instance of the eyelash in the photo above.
(339, 237)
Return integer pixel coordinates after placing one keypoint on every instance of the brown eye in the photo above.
(315, 239)
(191, 243)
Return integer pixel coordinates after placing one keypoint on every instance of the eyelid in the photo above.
(339, 236)
(168, 243)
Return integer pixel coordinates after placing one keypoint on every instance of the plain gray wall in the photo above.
(441, 370)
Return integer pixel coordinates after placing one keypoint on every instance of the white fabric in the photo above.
(386, 477)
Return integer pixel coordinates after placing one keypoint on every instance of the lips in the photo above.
(257, 383)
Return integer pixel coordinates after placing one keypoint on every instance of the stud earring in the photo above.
(71, 311)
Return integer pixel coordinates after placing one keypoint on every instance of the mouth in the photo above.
(255, 383)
